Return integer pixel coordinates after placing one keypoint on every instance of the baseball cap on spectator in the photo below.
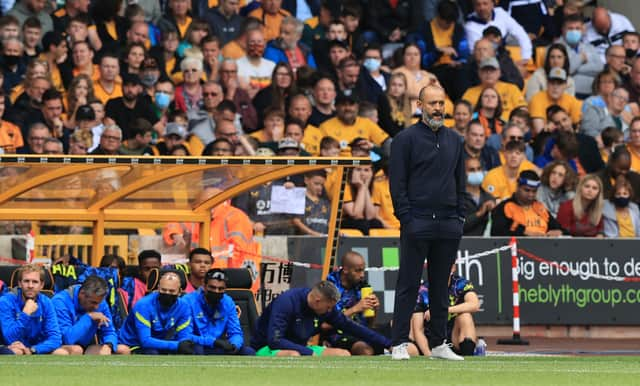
(175, 129)
(130, 78)
(342, 98)
(529, 178)
(264, 152)
(557, 73)
(85, 113)
(288, 143)
(490, 62)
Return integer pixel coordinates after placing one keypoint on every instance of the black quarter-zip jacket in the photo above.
(426, 174)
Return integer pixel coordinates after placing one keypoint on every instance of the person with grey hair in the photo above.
(13, 66)
(285, 326)
(53, 146)
(37, 134)
(240, 98)
(287, 47)
(188, 95)
(110, 141)
(83, 314)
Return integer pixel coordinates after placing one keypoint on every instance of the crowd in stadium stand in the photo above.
(547, 86)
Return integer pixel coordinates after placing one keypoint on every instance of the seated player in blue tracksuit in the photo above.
(82, 314)
(285, 327)
(216, 326)
(27, 318)
(160, 323)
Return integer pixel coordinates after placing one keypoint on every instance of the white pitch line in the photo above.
(494, 366)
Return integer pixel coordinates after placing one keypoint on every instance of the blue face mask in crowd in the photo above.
(372, 64)
(573, 36)
(475, 178)
(621, 202)
(162, 100)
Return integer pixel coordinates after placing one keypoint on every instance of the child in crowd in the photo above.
(317, 208)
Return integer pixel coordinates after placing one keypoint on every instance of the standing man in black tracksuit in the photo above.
(427, 181)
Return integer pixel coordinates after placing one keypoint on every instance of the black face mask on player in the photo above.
(213, 298)
(167, 300)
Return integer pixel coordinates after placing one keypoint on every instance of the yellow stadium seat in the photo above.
(516, 56)
(515, 52)
(384, 232)
(541, 54)
(350, 232)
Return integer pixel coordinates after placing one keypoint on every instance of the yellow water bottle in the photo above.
(365, 291)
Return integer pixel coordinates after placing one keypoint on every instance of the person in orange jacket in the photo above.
(230, 240)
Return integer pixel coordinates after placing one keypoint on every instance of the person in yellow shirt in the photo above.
(10, 134)
(177, 14)
(361, 205)
(621, 215)
(237, 48)
(633, 144)
(330, 147)
(501, 181)
(554, 95)
(270, 15)
(514, 133)
(612, 137)
(55, 51)
(108, 85)
(300, 108)
(347, 125)
(383, 196)
(489, 74)
(83, 60)
(273, 130)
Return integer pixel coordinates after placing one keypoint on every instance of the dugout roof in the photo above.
(106, 189)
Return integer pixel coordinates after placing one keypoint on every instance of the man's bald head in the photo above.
(353, 269)
(351, 259)
(483, 49)
(601, 20)
(431, 89)
(169, 283)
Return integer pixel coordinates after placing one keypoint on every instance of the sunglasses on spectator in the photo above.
(515, 138)
(213, 94)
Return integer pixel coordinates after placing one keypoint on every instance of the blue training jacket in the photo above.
(38, 330)
(76, 325)
(151, 327)
(288, 323)
(210, 324)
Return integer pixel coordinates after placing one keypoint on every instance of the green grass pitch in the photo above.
(182, 370)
